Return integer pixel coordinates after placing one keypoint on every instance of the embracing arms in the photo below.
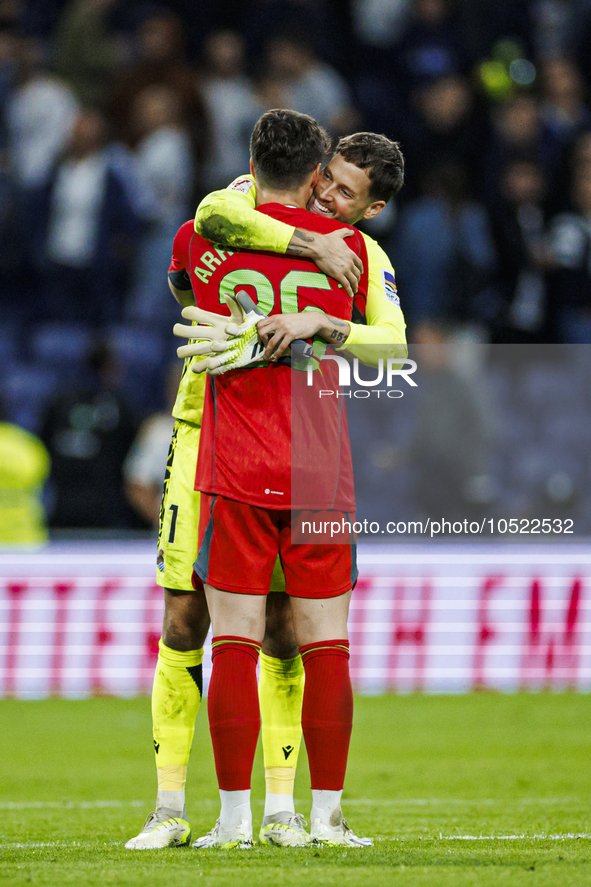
(229, 217)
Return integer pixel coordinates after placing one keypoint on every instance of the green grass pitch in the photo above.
(467, 790)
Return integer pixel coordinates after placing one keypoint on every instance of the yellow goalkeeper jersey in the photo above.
(188, 405)
(229, 217)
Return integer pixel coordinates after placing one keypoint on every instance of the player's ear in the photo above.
(252, 172)
(315, 176)
(374, 209)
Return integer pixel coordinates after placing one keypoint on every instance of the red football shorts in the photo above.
(239, 544)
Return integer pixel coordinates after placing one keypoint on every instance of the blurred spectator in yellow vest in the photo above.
(24, 467)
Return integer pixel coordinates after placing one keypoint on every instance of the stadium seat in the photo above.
(60, 346)
(143, 355)
(9, 343)
(136, 346)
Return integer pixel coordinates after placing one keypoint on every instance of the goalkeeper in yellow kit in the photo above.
(365, 172)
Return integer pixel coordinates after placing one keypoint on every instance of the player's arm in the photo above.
(279, 330)
(180, 287)
(144, 499)
(385, 321)
(178, 276)
(229, 217)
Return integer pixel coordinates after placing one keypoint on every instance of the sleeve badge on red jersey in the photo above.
(243, 185)
(390, 290)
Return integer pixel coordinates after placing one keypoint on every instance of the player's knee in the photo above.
(280, 648)
(180, 638)
(186, 621)
(280, 641)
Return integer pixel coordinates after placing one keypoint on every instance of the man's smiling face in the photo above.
(343, 193)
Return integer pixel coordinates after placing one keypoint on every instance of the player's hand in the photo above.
(243, 347)
(247, 350)
(239, 352)
(280, 330)
(215, 329)
(333, 257)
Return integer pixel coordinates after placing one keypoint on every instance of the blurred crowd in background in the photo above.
(116, 118)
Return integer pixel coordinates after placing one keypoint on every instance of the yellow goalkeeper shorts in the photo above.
(179, 514)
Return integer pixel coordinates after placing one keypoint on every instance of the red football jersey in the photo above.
(252, 442)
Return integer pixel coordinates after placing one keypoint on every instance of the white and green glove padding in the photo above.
(230, 342)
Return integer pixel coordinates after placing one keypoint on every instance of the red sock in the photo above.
(327, 713)
(233, 708)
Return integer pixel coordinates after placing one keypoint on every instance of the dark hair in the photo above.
(381, 157)
(285, 147)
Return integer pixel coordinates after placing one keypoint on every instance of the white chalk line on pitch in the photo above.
(425, 802)
(66, 805)
(566, 837)
(347, 802)
(32, 845)
(523, 837)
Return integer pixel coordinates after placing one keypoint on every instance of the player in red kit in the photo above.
(244, 473)
(262, 471)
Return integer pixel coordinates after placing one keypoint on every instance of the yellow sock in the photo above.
(281, 691)
(176, 696)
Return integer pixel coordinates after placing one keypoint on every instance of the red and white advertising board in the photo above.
(82, 619)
